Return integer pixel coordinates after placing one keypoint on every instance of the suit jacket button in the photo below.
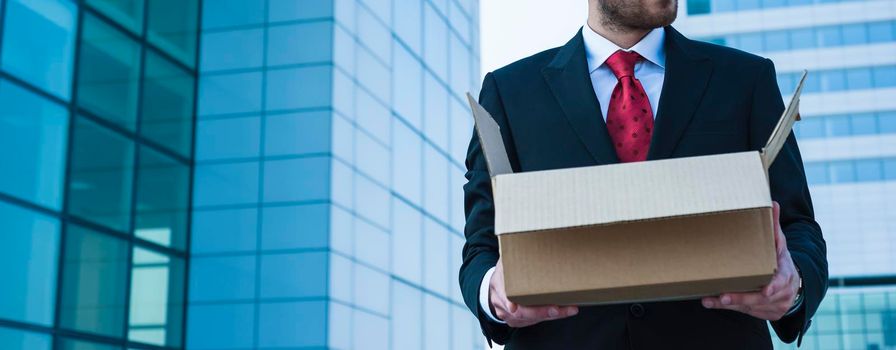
(637, 310)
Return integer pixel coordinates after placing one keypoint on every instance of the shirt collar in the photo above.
(598, 48)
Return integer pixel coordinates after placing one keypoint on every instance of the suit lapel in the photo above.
(570, 82)
(687, 75)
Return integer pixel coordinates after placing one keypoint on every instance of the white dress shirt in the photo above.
(651, 72)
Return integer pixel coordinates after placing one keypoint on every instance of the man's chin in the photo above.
(660, 20)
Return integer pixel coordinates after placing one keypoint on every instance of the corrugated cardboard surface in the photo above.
(598, 195)
(665, 259)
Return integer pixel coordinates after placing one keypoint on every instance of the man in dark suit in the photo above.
(628, 87)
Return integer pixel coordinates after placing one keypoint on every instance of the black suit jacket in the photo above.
(714, 100)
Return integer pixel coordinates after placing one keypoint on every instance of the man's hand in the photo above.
(775, 299)
(517, 315)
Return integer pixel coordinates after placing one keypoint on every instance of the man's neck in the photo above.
(621, 36)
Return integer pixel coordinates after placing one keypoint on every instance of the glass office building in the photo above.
(327, 209)
(234, 174)
(96, 135)
(847, 138)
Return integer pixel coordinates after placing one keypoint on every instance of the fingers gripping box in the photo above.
(644, 231)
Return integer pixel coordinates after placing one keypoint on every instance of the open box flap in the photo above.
(490, 140)
(629, 192)
(785, 124)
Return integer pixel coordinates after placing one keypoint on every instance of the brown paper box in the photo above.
(645, 231)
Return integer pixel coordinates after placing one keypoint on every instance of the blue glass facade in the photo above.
(846, 138)
(96, 131)
(329, 160)
(698, 7)
(316, 203)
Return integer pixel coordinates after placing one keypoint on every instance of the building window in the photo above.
(97, 101)
(698, 7)
(812, 127)
(172, 27)
(128, 13)
(850, 171)
(162, 199)
(39, 42)
(93, 283)
(33, 135)
(17, 339)
(167, 106)
(71, 344)
(28, 264)
(809, 38)
(156, 304)
(101, 175)
(108, 73)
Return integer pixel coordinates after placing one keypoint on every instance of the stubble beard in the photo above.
(624, 15)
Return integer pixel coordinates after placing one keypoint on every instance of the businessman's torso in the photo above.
(555, 122)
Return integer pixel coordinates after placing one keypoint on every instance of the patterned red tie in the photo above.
(629, 116)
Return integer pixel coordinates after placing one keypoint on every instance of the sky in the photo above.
(514, 29)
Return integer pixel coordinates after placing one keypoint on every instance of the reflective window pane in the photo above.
(864, 124)
(777, 41)
(29, 245)
(696, 7)
(838, 126)
(93, 282)
(723, 5)
(71, 344)
(14, 339)
(33, 134)
(881, 32)
(172, 27)
(101, 175)
(869, 170)
(747, 4)
(833, 80)
(39, 42)
(162, 199)
(128, 13)
(842, 172)
(802, 38)
(829, 36)
(884, 76)
(108, 72)
(167, 105)
(855, 34)
(157, 289)
(811, 128)
(817, 173)
(890, 170)
(886, 121)
(858, 78)
(751, 42)
(773, 3)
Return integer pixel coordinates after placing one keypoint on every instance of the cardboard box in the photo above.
(644, 231)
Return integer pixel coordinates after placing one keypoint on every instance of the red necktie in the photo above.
(629, 116)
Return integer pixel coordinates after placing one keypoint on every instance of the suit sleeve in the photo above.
(788, 187)
(480, 252)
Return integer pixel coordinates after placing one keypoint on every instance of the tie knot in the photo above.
(622, 63)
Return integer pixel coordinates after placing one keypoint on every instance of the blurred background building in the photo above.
(317, 206)
(96, 133)
(327, 210)
(847, 138)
